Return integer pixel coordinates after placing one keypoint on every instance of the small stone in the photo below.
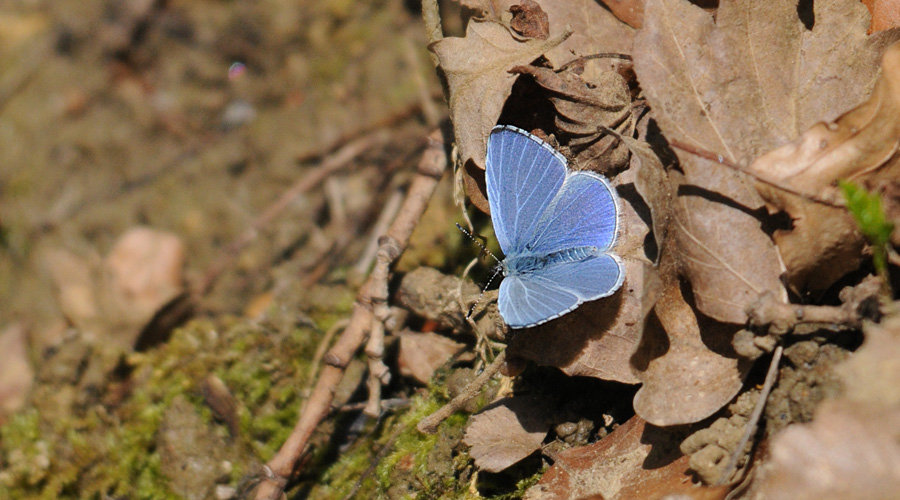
(802, 353)
(566, 429)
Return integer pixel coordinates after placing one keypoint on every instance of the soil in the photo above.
(192, 118)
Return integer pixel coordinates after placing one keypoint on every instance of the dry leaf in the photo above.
(422, 353)
(586, 103)
(629, 11)
(620, 467)
(885, 14)
(685, 360)
(529, 20)
(851, 451)
(652, 183)
(507, 431)
(824, 243)
(595, 30)
(477, 70)
(705, 94)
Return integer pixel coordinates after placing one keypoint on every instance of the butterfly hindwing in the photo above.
(529, 300)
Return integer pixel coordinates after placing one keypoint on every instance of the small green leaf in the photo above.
(868, 212)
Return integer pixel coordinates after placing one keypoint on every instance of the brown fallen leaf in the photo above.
(421, 353)
(595, 29)
(636, 461)
(586, 103)
(824, 243)
(652, 184)
(685, 360)
(696, 100)
(477, 70)
(885, 14)
(507, 431)
(739, 85)
(629, 11)
(529, 20)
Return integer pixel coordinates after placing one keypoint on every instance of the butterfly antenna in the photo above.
(478, 300)
(478, 242)
(497, 270)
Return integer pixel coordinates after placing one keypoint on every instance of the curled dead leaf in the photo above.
(583, 108)
(635, 461)
(529, 20)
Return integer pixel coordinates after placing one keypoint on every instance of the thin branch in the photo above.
(375, 291)
(782, 318)
(708, 155)
(771, 376)
(429, 424)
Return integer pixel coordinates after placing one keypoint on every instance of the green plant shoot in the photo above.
(868, 212)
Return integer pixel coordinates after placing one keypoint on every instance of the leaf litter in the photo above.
(726, 90)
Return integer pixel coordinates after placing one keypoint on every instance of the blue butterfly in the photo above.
(555, 227)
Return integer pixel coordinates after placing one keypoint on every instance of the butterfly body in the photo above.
(523, 265)
(555, 226)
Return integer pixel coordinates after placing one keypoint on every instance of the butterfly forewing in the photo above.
(523, 175)
(583, 214)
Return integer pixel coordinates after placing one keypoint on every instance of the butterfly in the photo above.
(555, 226)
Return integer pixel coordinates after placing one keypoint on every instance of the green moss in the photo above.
(98, 450)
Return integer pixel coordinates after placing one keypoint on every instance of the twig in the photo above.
(335, 162)
(771, 376)
(320, 353)
(375, 290)
(709, 155)
(429, 424)
(782, 318)
(388, 212)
